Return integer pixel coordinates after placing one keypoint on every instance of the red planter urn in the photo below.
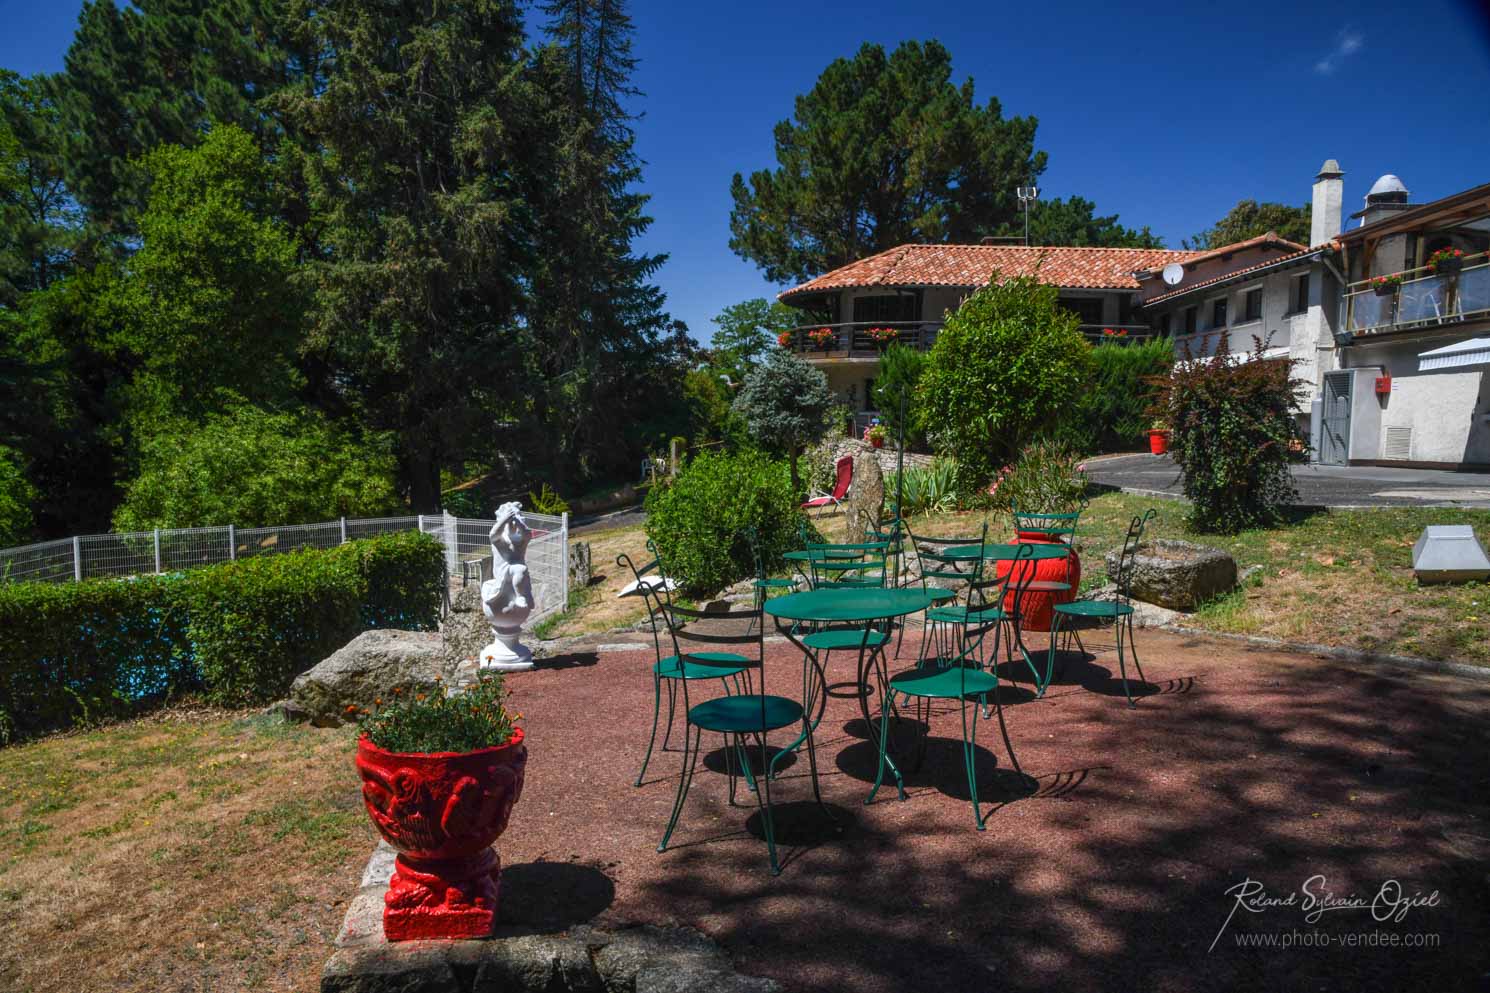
(877, 442)
(442, 811)
(1039, 606)
(1158, 442)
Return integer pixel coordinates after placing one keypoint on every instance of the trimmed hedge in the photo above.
(78, 652)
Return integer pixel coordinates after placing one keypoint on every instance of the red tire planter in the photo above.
(442, 811)
(1158, 442)
(1039, 606)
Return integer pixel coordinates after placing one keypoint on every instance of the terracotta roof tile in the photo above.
(1270, 238)
(974, 265)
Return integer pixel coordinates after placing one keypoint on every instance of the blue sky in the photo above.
(1165, 114)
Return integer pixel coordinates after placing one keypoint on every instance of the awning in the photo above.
(1471, 352)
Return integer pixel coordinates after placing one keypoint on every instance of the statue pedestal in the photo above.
(506, 653)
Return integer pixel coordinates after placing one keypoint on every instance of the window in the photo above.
(1164, 323)
(1252, 305)
(1300, 294)
(1088, 310)
(1218, 312)
(887, 307)
(1190, 319)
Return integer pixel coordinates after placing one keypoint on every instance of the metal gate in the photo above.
(1334, 448)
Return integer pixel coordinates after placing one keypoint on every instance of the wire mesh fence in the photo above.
(467, 550)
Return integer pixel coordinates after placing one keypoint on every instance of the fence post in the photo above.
(157, 550)
(564, 557)
(421, 523)
(232, 543)
(452, 543)
(77, 559)
(343, 530)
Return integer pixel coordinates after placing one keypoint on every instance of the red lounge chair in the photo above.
(845, 469)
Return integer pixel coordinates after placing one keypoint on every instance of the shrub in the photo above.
(476, 719)
(900, 370)
(1008, 364)
(1114, 414)
(927, 489)
(546, 501)
(1231, 423)
(1046, 479)
(256, 469)
(77, 652)
(699, 522)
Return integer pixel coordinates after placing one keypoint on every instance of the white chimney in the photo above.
(1329, 195)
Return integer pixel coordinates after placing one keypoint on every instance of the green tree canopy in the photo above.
(747, 332)
(885, 149)
(1006, 366)
(785, 403)
(16, 495)
(253, 469)
(899, 374)
(38, 221)
(1248, 219)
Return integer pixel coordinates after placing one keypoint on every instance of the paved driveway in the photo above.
(1319, 485)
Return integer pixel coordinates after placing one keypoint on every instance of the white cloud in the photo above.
(1348, 43)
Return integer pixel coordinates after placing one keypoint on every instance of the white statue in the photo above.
(507, 597)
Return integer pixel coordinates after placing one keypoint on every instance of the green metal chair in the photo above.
(764, 585)
(738, 717)
(969, 677)
(1118, 610)
(938, 570)
(653, 584)
(1059, 527)
(855, 564)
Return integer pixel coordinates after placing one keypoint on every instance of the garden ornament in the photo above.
(507, 597)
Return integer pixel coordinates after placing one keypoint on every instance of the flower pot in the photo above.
(442, 811)
(1385, 289)
(1158, 442)
(877, 442)
(1039, 605)
(1448, 267)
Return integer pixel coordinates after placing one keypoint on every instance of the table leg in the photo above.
(814, 695)
(875, 658)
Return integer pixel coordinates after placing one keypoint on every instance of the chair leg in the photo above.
(1133, 650)
(672, 699)
(969, 757)
(690, 758)
(1055, 628)
(1004, 730)
(763, 802)
(656, 710)
(1117, 632)
(879, 776)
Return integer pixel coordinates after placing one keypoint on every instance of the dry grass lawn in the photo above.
(189, 851)
(596, 608)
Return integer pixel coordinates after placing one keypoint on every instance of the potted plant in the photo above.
(882, 337)
(1385, 286)
(875, 434)
(440, 775)
(1159, 437)
(784, 339)
(822, 338)
(1446, 261)
(1115, 332)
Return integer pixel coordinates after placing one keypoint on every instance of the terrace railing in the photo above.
(866, 339)
(1424, 298)
(166, 550)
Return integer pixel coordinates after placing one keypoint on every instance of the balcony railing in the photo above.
(1425, 298)
(856, 339)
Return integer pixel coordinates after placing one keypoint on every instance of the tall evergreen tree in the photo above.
(596, 319)
(38, 221)
(410, 144)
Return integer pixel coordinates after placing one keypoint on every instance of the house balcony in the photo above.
(1424, 299)
(857, 340)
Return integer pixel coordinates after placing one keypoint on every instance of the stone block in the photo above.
(365, 669)
(1180, 575)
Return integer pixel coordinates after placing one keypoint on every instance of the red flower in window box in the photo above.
(784, 339)
(822, 338)
(1446, 261)
(882, 336)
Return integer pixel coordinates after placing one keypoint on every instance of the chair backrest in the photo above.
(700, 635)
(986, 598)
(753, 539)
(1124, 578)
(1060, 526)
(844, 476)
(892, 532)
(653, 583)
(935, 565)
(858, 563)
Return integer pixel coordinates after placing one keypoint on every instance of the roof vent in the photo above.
(1386, 196)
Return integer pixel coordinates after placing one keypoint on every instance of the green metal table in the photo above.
(843, 559)
(867, 606)
(1009, 552)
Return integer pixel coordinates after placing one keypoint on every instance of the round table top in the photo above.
(853, 604)
(1010, 551)
(822, 553)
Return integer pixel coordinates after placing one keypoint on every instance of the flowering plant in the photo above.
(1115, 332)
(1392, 281)
(882, 336)
(875, 433)
(822, 337)
(436, 722)
(1446, 258)
(784, 339)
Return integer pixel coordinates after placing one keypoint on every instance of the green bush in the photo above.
(1232, 424)
(1115, 413)
(900, 371)
(930, 489)
(1008, 365)
(1046, 479)
(699, 522)
(78, 652)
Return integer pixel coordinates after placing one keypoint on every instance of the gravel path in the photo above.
(1111, 876)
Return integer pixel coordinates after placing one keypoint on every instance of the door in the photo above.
(1334, 441)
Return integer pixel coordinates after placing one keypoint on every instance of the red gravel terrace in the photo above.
(1298, 773)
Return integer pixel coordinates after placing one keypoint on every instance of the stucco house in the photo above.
(909, 289)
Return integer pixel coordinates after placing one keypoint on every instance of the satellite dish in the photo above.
(1173, 273)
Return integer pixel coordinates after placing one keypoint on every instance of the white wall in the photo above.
(1444, 409)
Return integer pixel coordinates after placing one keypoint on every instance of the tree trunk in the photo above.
(424, 482)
